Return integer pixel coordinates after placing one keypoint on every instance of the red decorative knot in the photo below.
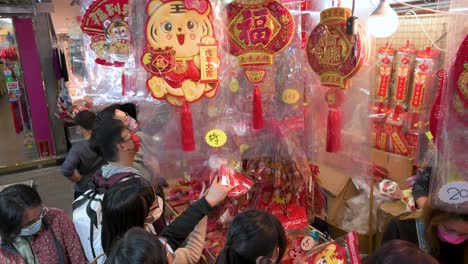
(423, 67)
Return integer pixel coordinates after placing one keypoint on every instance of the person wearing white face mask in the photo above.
(32, 233)
(125, 206)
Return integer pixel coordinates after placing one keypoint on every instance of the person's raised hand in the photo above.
(217, 192)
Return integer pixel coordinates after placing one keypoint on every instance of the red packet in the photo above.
(230, 177)
(343, 250)
(291, 216)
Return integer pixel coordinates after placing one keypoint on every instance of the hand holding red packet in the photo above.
(230, 177)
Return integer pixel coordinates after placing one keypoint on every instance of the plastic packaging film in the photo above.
(449, 180)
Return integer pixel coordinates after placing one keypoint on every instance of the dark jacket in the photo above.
(421, 185)
(406, 230)
(183, 225)
(82, 158)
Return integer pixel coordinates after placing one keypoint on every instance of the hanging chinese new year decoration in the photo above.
(106, 21)
(423, 76)
(181, 55)
(384, 71)
(257, 30)
(336, 57)
(404, 64)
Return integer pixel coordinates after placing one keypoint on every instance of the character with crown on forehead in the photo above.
(181, 51)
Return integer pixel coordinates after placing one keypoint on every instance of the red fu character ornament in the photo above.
(336, 57)
(106, 21)
(257, 31)
(182, 56)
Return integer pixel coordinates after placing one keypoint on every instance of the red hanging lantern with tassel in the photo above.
(181, 56)
(258, 30)
(336, 57)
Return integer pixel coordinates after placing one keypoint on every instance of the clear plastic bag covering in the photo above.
(353, 156)
(103, 84)
(449, 181)
(341, 250)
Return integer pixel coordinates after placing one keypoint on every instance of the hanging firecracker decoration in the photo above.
(403, 72)
(258, 30)
(384, 73)
(182, 56)
(437, 107)
(336, 57)
(106, 21)
(423, 76)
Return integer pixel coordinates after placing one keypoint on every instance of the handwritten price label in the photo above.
(454, 192)
(216, 138)
(234, 86)
(290, 96)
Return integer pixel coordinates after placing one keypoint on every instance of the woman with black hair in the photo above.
(125, 206)
(32, 233)
(254, 237)
(138, 247)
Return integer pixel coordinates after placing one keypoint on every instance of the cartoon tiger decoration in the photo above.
(117, 35)
(175, 33)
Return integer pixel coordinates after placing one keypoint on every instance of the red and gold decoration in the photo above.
(383, 77)
(182, 56)
(257, 31)
(403, 72)
(436, 111)
(423, 76)
(106, 21)
(336, 57)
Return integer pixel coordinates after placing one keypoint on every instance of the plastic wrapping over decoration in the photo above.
(108, 51)
(341, 250)
(449, 181)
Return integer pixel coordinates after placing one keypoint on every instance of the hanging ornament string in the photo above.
(336, 57)
(257, 31)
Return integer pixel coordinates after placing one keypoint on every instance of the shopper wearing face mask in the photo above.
(147, 166)
(118, 146)
(442, 234)
(32, 233)
(125, 206)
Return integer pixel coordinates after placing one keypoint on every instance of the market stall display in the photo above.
(279, 145)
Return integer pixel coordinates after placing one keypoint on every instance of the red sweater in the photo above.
(43, 244)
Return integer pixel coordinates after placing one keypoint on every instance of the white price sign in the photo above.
(454, 192)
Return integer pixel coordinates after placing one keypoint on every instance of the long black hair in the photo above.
(13, 201)
(124, 206)
(139, 247)
(251, 235)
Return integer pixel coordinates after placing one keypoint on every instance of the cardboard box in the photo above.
(363, 240)
(339, 188)
(399, 167)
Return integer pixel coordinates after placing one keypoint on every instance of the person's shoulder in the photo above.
(55, 214)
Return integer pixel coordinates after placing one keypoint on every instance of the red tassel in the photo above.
(186, 124)
(333, 130)
(124, 86)
(257, 109)
(415, 119)
(381, 109)
(396, 114)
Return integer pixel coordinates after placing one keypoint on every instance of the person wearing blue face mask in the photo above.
(32, 233)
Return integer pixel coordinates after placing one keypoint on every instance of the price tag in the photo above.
(290, 96)
(234, 86)
(216, 138)
(307, 243)
(454, 192)
(243, 147)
